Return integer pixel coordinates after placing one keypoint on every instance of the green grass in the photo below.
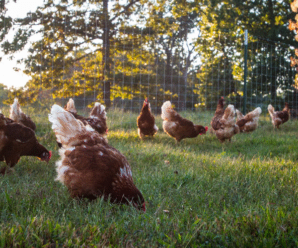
(199, 193)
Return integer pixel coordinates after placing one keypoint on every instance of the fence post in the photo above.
(245, 70)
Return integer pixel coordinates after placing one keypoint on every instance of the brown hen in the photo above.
(146, 121)
(178, 127)
(279, 117)
(89, 166)
(18, 140)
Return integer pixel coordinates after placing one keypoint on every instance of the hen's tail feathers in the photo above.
(239, 115)
(167, 111)
(253, 114)
(15, 110)
(98, 111)
(228, 119)
(271, 110)
(65, 125)
(70, 106)
(229, 112)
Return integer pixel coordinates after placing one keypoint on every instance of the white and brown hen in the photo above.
(17, 115)
(249, 122)
(279, 117)
(146, 121)
(178, 127)
(97, 117)
(223, 123)
(89, 166)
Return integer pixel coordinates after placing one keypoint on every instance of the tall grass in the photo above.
(199, 192)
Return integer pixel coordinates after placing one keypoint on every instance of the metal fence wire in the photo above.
(197, 87)
(193, 76)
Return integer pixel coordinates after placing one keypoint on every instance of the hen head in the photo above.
(134, 197)
(45, 156)
(146, 104)
(201, 130)
(221, 101)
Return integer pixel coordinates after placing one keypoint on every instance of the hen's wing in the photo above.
(283, 115)
(97, 118)
(18, 133)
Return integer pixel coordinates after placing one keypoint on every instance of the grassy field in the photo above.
(199, 193)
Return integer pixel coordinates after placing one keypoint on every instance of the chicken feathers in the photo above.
(96, 119)
(89, 166)
(279, 117)
(219, 112)
(17, 115)
(146, 121)
(225, 123)
(17, 140)
(178, 127)
(249, 122)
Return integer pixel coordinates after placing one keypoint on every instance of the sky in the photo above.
(10, 77)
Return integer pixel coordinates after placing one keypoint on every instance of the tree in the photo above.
(171, 24)
(64, 30)
(267, 19)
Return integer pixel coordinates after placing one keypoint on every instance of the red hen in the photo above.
(89, 166)
(146, 121)
(178, 127)
(279, 117)
(18, 140)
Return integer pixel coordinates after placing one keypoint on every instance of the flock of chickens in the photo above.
(88, 165)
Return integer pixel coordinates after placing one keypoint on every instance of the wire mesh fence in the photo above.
(270, 79)
(69, 60)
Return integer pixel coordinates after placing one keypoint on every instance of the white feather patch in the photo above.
(125, 172)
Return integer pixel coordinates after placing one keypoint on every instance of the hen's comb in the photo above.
(50, 152)
(206, 128)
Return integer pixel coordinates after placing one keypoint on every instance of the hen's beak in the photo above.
(144, 207)
(50, 152)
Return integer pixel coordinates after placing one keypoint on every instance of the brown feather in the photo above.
(219, 112)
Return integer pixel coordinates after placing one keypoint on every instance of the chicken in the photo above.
(219, 112)
(18, 116)
(279, 117)
(146, 121)
(96, 119)
(18, 140)
(178, 127)
(89, 166)
(226, 126)
(249, 122)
